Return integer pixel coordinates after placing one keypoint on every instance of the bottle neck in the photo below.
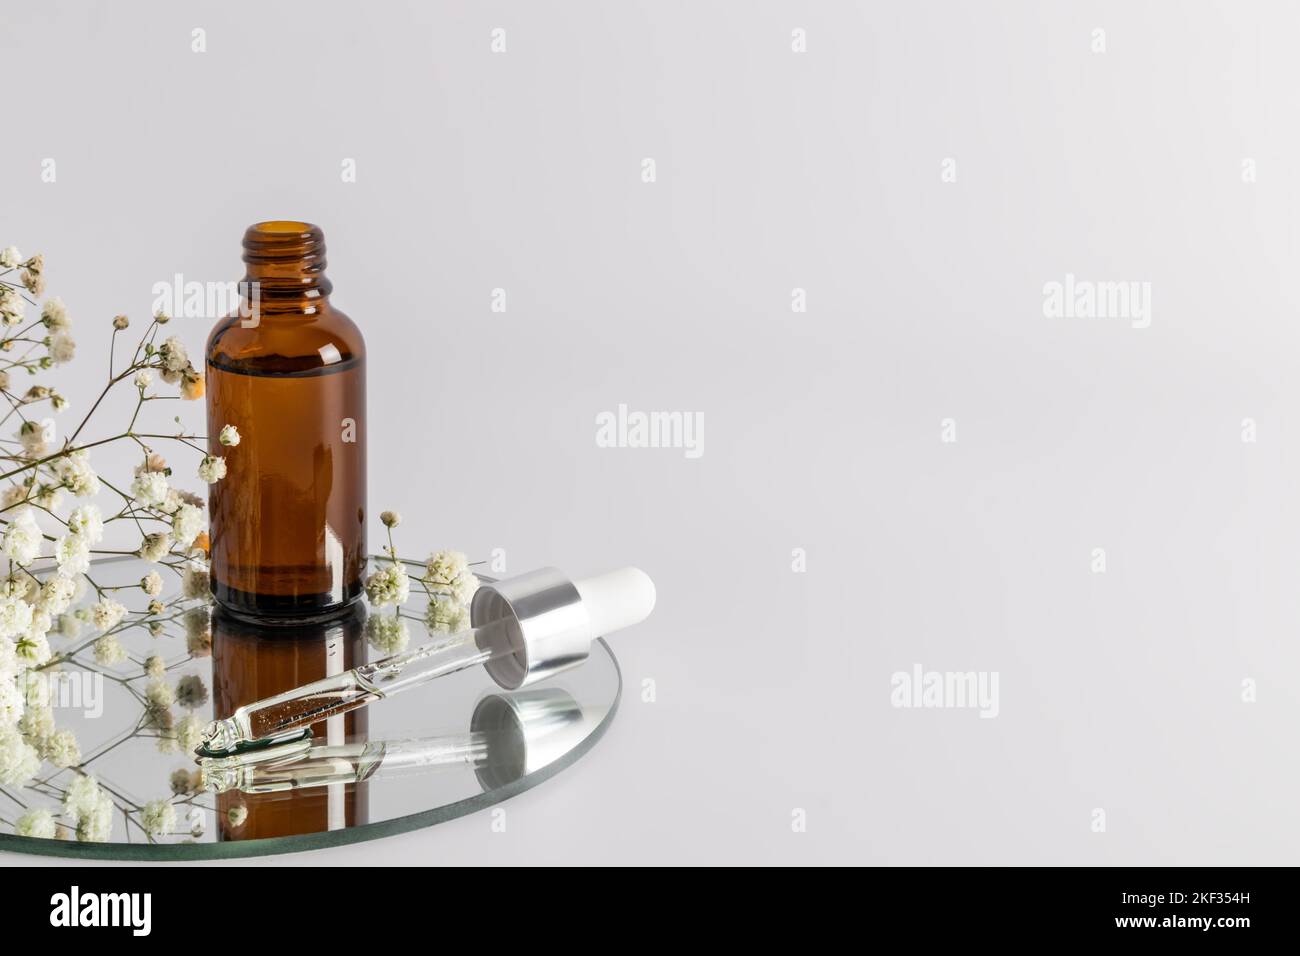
(285, 266)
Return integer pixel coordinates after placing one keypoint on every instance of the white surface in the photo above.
(821, 171)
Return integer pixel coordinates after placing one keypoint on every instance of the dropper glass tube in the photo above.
(286, 716)
(344, 764)
(509, 736)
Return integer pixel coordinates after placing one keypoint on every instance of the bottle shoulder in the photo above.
(285, 342)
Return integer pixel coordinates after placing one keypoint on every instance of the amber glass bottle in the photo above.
(288, 371)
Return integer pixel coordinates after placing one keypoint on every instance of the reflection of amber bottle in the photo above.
(247, 665)
(288, 371)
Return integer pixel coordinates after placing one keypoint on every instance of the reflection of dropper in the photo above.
(525, 629)
(510, 736)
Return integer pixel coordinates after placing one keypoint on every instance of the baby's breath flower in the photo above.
(387, 633)
(55, 315)
(22, 541)
(192, 387)
(444, 567)
(143, 378)
(20, 587)
(446, 614)
(97, 826)
(48, 497)
(198, 630)
(155, 546)
(229, 436)
(33, 274)
(121, 322)
(150, 488)
(36, 437)
(10, 257)
(184, 782)
(12, 703)
(12, 306)
(158, 817)
(464, 588)
(159, 695)
(61, 749)
(390, 519)
(212, 469)
(106, 614)
(186, 498)
(15, 617)
(37, 723)
(189, 732)
(155, 607)
(172, 353)
(194, 580)
(109, 650)
(72, 552)
(81, 795)
(388, 586)
(19, 761)
(152, 584)
(447, 572)
(152, 462)
(63, 348)
(13, 495)
(73, 469)
(36, 823)
(162, 318)
(155, 666)
(187, 523)
(56, 595)
(191, 692)
(69, 625)
(87, 522)
(41, 622)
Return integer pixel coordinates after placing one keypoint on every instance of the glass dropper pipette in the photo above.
(509, 736)
(526, 629)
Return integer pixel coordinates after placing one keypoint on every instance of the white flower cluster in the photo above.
(158, 817)
(90, 809)
(176, 368)
(45, 555)
(448, 581)
(152, 492)
(451, 585)
(388, 585)
(387, 633)
(448, 573)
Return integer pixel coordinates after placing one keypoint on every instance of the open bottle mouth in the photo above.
(286, 258)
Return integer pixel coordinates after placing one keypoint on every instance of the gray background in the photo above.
(777, 170)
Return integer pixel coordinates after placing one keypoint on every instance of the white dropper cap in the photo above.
(616, 600)
(545, 623)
